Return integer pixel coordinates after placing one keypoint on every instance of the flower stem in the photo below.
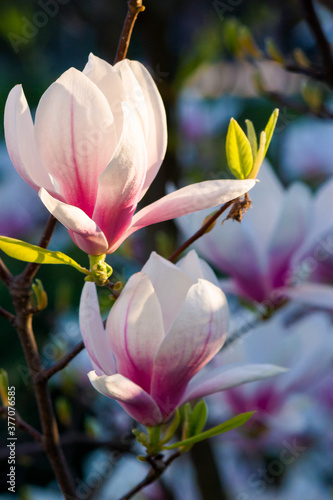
(134, 9)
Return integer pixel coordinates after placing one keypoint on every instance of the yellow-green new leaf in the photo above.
(234, 422)
(251, 135)
(4, 387)
(21, 250)
(239, 152)
(260, 156)
(270, 127)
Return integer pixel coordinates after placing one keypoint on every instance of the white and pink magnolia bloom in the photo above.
(167, 324)
(97, 143)
(258, 254)
(285, 405)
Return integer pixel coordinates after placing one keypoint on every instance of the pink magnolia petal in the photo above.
(289, 232)
(93, 333)
(138, 404)
(222, 378)
(135, 330)
(19, 134)
(75, 137)
(172, 296)
(187, 200)
(231, 249)
(267, 201)
(109, 83)
(318, 243)
(87, 234)
(120, 184)
(135, 98)
(196, 335)
(154, 119)
(311, 294)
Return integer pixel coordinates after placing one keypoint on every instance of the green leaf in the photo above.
(215, 431)
(260, 157)
(198, 418)
(270, 127)
(21, 250)
(239, 152)
(251, 135)
(172, 428)
(40, 295)
(4, 387)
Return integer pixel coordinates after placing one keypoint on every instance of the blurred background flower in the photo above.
(210, 61)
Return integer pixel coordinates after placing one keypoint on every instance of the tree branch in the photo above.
(5, 274)
(32, 268)
(134, 9)
(158, 466)
(22, 424)
(20, 292)
(64, 361)
(314, 23)
(201, 231)
(7, 315)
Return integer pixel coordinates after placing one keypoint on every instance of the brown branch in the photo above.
(157, 469)
(22, 424)
(64, 361)
(7, 315)
(134, 9)
(5, 274)
(32, 268)
(301, 108)
(20, 292)
(201, 231)
(322, 42)
(315, 73)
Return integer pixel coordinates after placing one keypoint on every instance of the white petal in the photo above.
(141, 84)
(170, 284)
(222, 378)
(93, 333)
(197, 268)
(135, 330)
(109, 83)
(75, 137)
(19, 133)
(132, 398)
(196, 335)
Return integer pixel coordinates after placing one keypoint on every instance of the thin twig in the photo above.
(155, 472)
(8, 315)
(201, 231)
(64, 361)
(322, 42)
(134, 9)
(315, 73)
(284, 101)
(32, 268)
(68, 441)
(5, 274)
(22, 424)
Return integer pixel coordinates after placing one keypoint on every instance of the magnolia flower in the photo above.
(167, 324)
(258, 253)
(98, 141)
(288, 405)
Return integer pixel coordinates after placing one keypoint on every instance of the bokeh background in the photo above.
(211, 60)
